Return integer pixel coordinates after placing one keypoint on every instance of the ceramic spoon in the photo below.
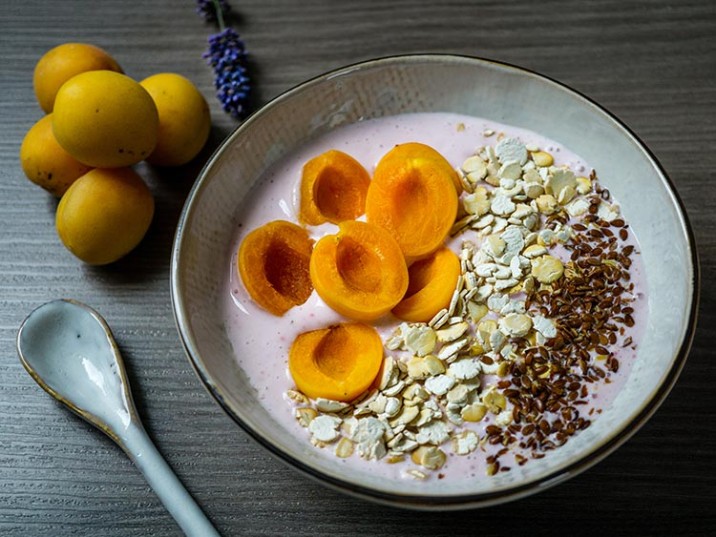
(69, 350)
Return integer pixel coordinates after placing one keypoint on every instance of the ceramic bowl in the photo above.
(477, 87)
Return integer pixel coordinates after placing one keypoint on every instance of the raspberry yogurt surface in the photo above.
(538, 338)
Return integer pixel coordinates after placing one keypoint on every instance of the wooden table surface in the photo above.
(652, 63)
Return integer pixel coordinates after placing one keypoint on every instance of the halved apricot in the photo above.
(333, 189)
(431, 285)
(339, 362)
(359, 272)
(414, 198)
(419, 150)
(273, 262)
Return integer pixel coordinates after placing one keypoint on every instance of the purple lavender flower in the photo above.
(227, 56)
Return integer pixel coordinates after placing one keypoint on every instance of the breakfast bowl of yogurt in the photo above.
(435, 281)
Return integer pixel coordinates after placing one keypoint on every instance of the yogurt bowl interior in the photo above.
(205, 247)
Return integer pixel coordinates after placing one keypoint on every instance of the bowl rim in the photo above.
(457, 501)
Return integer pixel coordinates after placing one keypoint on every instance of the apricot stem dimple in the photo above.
(330, 357)
(285, 270)
(336, 198)
(358, 266)
(410, 195)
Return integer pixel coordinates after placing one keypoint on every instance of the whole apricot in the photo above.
(184, 119)
(44, 161)
(105, 119)
(104, 214)
(63, 62)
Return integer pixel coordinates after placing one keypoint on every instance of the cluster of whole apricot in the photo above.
(99, 122)
(395, 261)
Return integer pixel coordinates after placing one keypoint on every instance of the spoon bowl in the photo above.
(64, 341)
(68, 348)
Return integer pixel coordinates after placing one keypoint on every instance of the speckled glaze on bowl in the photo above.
(438, 83)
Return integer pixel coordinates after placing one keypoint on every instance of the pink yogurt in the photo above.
(262, 341)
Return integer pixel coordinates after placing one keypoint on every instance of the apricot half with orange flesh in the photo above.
(431, 285)
(414, 198)
(333, 189)
(338, 362)
(273, 262)
(424, 151)
(360, 272)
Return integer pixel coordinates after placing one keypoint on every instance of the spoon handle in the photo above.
(164, 482)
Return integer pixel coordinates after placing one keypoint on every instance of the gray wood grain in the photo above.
(652, 63)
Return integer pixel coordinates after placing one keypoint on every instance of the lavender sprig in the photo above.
(227, 56)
